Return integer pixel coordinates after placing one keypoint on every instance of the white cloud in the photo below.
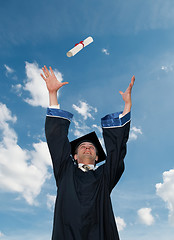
(36, 85)
(22, 171)
(145, 216)
(134, 132)
(105, 51)
(165, 190)
(19, 235)
(120, 223)
(80, 128)
(168, 68)
(84, 109)
(51, 201)
(8, 69)
(9, 135)
(17, 89)
(5, 115)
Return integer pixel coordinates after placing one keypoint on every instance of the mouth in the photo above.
(86, 152)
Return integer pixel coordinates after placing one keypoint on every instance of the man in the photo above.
(83, 209)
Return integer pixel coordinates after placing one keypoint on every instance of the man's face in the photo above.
(86, 153)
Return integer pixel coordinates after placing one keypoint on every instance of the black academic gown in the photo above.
(83, 209)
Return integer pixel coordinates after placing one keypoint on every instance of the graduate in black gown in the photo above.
(83, 209)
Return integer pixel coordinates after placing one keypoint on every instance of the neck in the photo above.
(86, 162)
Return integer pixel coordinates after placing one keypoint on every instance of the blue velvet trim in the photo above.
(53, 112)
(113, 120)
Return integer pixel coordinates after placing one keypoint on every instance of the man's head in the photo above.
(87, 149)
(86, 153)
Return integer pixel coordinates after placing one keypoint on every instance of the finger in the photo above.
(64, 83)
(52, 72)
(131, 83)
(43, 77)
(47, 73)
(132, 80)
(121, 92)
(44, 71)
(129, 89)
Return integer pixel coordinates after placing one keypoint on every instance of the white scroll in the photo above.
(79, 46)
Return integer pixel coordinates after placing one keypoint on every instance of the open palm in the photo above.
(52, 82)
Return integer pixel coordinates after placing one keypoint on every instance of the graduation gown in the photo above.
(83, 209)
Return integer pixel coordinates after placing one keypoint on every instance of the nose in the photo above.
(87, 148)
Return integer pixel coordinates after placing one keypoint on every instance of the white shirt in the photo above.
(91, 167)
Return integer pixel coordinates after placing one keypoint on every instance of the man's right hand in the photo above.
(52, 82)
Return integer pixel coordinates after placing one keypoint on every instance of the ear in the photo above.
(75, 157)
(96, 159)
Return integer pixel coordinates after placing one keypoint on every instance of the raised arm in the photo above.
(116, 132)
(53, 85)
(56, 126)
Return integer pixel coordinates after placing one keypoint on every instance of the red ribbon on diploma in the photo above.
(80, 43)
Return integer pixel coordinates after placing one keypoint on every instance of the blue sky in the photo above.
(131, 37)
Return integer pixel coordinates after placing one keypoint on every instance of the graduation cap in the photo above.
(90, 137)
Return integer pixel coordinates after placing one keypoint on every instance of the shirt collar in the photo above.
(92, 167)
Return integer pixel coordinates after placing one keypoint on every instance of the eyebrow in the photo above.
(83, 144)
(88, 143)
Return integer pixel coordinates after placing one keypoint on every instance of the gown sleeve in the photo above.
(115, 134)
(56, 131)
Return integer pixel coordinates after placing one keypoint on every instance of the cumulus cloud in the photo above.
(165, 190)
(8, 135)
(145, 216)
(105, 51)
(120, 223)
(51, 201)
(134, 133)
(5, 115)
(35, 85)
(21, 171)
(84, 109)
(80, 128)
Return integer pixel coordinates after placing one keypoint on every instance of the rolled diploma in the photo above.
(79, 47)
